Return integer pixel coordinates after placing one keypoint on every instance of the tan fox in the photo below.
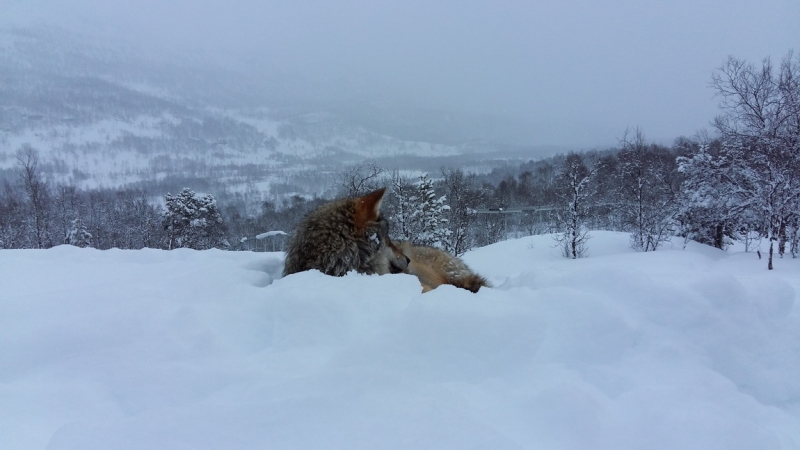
(435, 267)
(344, 235)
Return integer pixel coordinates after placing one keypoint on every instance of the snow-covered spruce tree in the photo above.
(193, 221)
(574, 190)
(647, 188)
(428, 221)
(401, 208)
(78, 235)
(760, 133)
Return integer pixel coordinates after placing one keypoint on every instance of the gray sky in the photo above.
(579, 71)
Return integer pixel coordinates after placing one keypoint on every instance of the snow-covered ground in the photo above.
(150, 349)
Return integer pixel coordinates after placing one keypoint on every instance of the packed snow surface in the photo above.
(151, 349)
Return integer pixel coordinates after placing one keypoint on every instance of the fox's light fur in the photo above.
(344, 235)
(435, 267)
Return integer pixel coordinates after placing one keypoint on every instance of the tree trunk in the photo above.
(771, 243)
(719, 237)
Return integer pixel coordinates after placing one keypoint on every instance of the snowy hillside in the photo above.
(676, 349)
(102, 114)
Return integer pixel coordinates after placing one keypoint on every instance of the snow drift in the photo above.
(694, 348)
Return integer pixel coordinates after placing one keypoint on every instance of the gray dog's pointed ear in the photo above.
(368, 208)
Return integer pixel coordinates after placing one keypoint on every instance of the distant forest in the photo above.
(741, 184)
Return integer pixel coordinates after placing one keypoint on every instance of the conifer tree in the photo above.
(428, 217)
(401, 208)
(193, 221)
(78, 234)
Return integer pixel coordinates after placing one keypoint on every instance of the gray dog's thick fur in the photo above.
(344, 235)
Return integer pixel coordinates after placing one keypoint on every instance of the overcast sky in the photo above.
(584, 69)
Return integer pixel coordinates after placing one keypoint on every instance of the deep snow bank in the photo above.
(183, 349)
